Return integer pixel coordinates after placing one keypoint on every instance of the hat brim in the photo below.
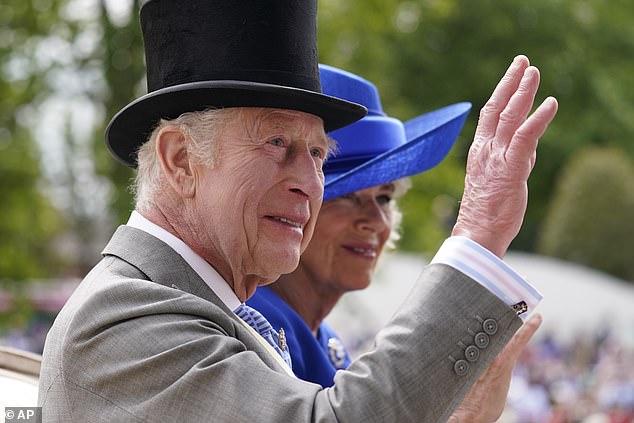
(132, 126)
(429, 139)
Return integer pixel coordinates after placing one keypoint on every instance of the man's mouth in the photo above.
(287, 221)
(296, 224)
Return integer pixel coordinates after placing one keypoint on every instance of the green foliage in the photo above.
(122, 62)
(28, 222)
(424, 54)
(590, 218)
(22, 309)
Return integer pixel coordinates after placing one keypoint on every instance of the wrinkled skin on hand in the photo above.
(501, 159)
(485, 401)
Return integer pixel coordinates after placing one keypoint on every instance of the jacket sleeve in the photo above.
(150, 353)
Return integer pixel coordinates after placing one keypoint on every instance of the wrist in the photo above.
(489, 240)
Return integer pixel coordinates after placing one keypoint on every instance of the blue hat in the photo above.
(379, 149)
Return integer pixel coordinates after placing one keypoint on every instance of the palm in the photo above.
(501, 158)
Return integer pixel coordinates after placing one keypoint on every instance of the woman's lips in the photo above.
(365, 250)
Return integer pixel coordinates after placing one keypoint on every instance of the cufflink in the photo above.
(520, 308)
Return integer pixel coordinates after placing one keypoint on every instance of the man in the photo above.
(227, 200)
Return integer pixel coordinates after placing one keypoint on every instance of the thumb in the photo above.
(523, 336)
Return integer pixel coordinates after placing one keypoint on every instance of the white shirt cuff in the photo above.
(488, 270)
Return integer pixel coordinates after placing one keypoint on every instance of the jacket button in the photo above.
(472, 353)
(481, 340)
(490, 326)
(461, 367)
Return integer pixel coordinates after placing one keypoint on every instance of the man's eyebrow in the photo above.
(278, 119)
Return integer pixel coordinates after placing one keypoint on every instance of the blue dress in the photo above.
(315, 359)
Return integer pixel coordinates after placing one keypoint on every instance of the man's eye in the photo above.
(277, 142)
(316, 152)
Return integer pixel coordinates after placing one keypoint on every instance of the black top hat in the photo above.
(226, 53)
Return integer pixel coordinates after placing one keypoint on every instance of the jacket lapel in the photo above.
(162, 265)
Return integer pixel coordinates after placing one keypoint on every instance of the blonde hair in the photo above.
(401, 186)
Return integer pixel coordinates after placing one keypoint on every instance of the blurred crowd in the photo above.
(585, 377)
(588, 379)
(27, 335)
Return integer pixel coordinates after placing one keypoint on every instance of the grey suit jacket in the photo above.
(143, 338)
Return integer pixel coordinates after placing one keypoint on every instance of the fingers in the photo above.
(524, 143)
(518, 107)
(532, 161)
(490, 113)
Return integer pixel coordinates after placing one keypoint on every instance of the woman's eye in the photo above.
(383, 199)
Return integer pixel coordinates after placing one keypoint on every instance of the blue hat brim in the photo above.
(429, 139)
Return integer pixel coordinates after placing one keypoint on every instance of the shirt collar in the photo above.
(207, 273)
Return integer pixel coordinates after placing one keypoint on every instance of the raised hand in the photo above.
(501, 159)
(485, 400)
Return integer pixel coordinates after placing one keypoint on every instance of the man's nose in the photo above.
(306, 176)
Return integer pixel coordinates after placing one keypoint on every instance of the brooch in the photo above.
(336, 353)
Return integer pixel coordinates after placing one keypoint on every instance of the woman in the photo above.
(357, 220)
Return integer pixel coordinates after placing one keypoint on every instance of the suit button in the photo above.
(472, 353)
(461, 367)
(490, 326)
(481, 340)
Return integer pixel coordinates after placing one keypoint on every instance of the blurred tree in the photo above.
(98, 69)
(28, 221)
(424, 54)
(590, 218)
(123, 67)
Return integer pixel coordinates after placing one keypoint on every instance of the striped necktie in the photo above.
(258, 322)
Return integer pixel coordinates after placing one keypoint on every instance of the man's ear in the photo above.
(173, 157)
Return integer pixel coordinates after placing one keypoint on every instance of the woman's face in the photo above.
(349, 237)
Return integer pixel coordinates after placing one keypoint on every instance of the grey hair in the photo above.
(401, 186)
(199, 129)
